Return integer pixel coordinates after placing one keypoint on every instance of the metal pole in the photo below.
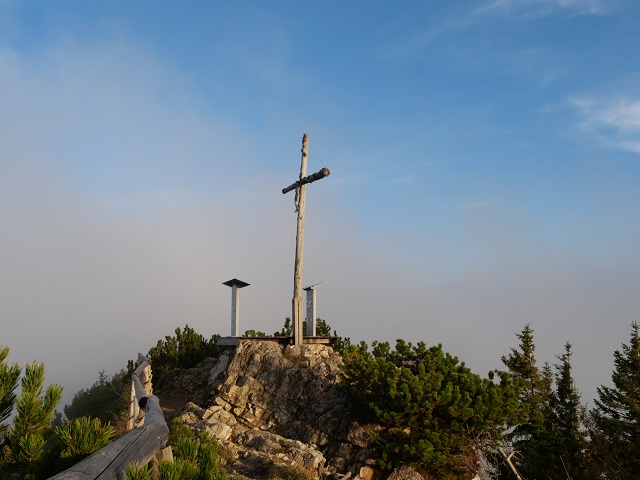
(235, 285)
(311, 311)
(235, 312)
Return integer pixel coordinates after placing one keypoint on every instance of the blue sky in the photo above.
(485, 159)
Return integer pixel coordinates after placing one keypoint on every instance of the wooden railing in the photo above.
(142, 444)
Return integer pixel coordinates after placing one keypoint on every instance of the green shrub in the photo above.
(179, 469)
(187, 449)
(197, 457)
(434, 409)
(9, 377)
(253, 334)
(133, 472)
(25, 439)
(184, 350)
(210, 468)
(79, 438)
(179, 430)
(170, 470)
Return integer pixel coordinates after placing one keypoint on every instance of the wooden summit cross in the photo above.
(301, 191)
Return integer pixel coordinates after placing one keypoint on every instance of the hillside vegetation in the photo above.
(407, 406)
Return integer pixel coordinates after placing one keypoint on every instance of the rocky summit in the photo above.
(278, 411)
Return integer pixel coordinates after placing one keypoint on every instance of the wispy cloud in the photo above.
(615, 123)
(459, 20)
(529, 9)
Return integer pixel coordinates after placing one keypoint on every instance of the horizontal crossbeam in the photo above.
(310, 179)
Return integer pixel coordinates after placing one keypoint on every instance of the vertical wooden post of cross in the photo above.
(300, 188)
(301, 193)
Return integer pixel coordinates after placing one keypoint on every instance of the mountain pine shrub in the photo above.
(79, 438)
(183, 350)
(438, 416)
(25, 439)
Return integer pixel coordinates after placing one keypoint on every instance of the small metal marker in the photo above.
(235, 284)
(311, 308)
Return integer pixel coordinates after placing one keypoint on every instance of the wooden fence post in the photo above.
(143, 373)
(138, 446)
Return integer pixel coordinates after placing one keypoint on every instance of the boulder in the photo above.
(405, 473)
(275, 407)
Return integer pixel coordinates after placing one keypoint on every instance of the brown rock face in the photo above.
(276, 407)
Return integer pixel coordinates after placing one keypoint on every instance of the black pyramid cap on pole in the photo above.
(234, 282)
(311, 287)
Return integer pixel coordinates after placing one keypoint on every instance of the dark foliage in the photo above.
(76, 440)
(254, 334)
(9, 377)
(435, 411)
(183, 350)
(24, 441)
(106, 399)
(568, 414)
(287, 329)
(615, 421)
(549, 437)
(532, 437)
(195, 457)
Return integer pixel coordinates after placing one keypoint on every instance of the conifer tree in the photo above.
(531, 438)
(323, 329)
(106, 399)
(25, 439)
(615, 420)
(569, 435)
(9, 376)
(287, 329)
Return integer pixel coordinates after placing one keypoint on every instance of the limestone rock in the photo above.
(405, 473)
(275, 407)
(365, 473)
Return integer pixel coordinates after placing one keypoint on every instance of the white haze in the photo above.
(123, 209)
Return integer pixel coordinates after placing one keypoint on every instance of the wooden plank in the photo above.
(110, 462)
(138, 446)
